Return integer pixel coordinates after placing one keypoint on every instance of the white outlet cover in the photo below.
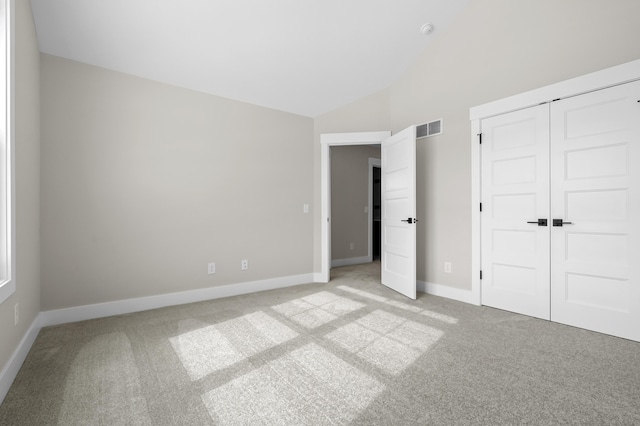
(211, 268)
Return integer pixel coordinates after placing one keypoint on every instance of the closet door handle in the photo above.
(559, 222)
(540, 222)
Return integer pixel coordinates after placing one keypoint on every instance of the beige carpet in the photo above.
(347, 352)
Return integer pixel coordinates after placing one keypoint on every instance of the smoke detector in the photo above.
(426, 28)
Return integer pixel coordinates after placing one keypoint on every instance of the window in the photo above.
(7, 280)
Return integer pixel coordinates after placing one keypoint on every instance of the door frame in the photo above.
(327, 140)
(598, 80)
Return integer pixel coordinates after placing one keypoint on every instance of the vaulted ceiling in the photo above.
(301, 56)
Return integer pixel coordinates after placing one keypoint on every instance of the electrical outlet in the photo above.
(17, 314)
(447, 267)
(305, 208)
(244, 264)
(211, 268)
(352, 246)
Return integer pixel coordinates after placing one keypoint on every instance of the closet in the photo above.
(560, 222)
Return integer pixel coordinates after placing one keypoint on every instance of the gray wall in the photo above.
(349, 197)
(143, 184)
(27, 175)
(495, 48)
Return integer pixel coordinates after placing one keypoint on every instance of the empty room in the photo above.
(218, 212)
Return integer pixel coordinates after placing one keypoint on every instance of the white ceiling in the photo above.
(301, 56)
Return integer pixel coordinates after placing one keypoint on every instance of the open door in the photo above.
(399, 212)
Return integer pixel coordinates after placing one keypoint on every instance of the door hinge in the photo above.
(480, 138)
(480, 274)
(480, 206)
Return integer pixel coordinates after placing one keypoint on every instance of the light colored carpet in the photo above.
(347, 352)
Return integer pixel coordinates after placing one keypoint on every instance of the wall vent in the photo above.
(429, 129)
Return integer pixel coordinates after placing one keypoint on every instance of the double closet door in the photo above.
(560, 222)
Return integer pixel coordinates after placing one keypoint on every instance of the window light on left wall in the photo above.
(7, 224)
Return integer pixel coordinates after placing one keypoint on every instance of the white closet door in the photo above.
(595, 169)
(515, 191)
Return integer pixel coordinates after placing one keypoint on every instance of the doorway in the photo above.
(327, 141)
(375, 209)
(352, 203)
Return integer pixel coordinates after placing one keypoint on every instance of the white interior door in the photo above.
(515, 196)
(398, 196)
(595, 169)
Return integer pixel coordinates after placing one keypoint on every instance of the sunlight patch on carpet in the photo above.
(317, 309)
(397, 304)
(211, 348)
(306, 386)
(385, 340)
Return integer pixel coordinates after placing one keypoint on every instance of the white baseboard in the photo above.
(11, 368)
(441, 290)
(318, 277)
(336, 263)
(100, 310)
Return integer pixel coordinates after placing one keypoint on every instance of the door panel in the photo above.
(515, 191)
(595, 158)
(398, 204)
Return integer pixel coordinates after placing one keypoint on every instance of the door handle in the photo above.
(540, 222)
(559, 222)
(409, 220)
